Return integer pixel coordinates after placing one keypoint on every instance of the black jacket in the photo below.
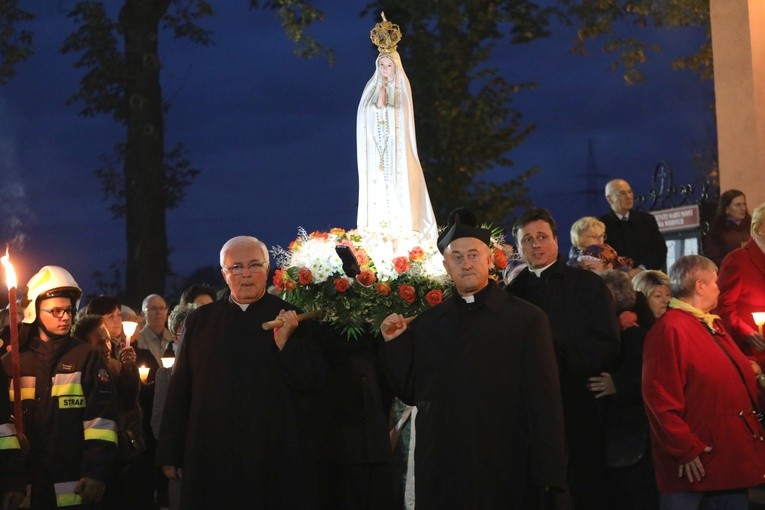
(637, 238)
(489, 419)
(232, 418)
(70, 413)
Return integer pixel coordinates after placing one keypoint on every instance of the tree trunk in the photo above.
(144, 152)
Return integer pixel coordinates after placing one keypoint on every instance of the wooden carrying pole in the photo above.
(278, 323)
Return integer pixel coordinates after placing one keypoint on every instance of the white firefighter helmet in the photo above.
(49, 282)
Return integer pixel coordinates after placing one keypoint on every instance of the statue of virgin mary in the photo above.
(393, 197)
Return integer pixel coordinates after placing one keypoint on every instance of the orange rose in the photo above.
(401, 264)
(278, 279)
(366, 277)
(290, 285)
(305, 276)
(407, 293)
(319, 235)
(500, 258)
(434, 297)
(341, 284)
(416, 254)
(295, 244)
(362, 257)
(337, 231)
(382, 288)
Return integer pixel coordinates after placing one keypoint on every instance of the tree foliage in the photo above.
(15, 44)
(599, 19)
(121, 66)
(465, 119)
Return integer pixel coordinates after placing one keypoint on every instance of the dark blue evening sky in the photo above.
(275, 135)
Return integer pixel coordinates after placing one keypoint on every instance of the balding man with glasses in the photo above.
(232, 429)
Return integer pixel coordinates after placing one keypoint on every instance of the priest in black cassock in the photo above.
(480, 367)
(232, 429)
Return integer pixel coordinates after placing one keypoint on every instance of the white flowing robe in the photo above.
(393, 197)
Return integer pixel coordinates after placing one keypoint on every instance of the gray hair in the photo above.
(145, 302)
(684, 274)
(758, 221)
(619, 285)
(243, 240)
(645, 281)
(582, 225)
(610, 185)
(179, 314)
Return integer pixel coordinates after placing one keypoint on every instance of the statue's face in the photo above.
(387, 68)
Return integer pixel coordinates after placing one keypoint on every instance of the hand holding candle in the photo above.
(759, 319)
(10, 281)
(143, 373)
(129, 327)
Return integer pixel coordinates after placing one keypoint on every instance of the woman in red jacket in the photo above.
(700, 395)
(742, 289)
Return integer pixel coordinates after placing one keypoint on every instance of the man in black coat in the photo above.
(586, 339)
(232, 429)
(633, 234)
(480, 367)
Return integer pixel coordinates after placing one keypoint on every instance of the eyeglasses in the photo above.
(58, 313)
(540, 239)
(238, 269)
(155, 309)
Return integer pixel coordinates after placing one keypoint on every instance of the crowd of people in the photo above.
(596, 380)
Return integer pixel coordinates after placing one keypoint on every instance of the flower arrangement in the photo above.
(393, 278)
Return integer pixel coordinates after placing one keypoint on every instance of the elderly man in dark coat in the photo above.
(232, 428)
(586, 338)
(633, 234)
(480, 367)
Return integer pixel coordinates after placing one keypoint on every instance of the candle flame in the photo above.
(10, 274)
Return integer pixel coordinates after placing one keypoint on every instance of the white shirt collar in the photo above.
(538, 272)
(243, 306)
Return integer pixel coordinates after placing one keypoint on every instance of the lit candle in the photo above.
(128, 327)
(10, 281)
(759, 319)
(167, 362)
(143, 373)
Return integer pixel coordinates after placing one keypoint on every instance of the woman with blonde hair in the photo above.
(585, 231)
(654, 285)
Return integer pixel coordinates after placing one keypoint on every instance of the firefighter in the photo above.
(10, 451)
(68, 400)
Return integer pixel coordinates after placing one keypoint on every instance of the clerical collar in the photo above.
(475, 299)
(243, 306)
(539, 271)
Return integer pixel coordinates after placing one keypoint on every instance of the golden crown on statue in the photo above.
(385, 35)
